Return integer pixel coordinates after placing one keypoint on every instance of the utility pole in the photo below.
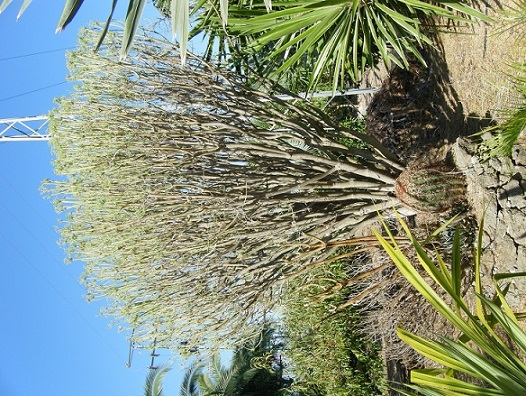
(24, 129)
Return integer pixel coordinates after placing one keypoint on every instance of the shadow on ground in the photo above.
(417, 113)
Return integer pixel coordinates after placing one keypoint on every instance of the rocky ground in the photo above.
(430, 114)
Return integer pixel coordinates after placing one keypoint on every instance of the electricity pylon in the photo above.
(24, 129)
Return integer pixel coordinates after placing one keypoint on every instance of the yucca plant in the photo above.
(335, 40)
(482, 354)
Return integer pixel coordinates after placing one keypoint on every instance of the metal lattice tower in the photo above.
(24, 129)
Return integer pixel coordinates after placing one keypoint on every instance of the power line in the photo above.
(36, 53)
(53, 260)
(33, 91)
(52, 286)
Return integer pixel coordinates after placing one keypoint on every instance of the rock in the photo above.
(496, 191)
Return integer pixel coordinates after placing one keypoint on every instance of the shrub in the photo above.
(327, 350)
(190, 196)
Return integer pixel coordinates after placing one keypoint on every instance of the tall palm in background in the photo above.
(189, 386)
(243, 377)
(154, 381)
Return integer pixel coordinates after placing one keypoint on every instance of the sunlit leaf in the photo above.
(133, 17)
(480, 352)
(363, 30)
(154, 381)
(23, 7)
(4, 5)
(68, 13)
(106, 25)
(180, 22)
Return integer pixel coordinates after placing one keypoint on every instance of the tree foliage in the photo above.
(254, 370)
(191, 198)
(513, 123)
(330, 351)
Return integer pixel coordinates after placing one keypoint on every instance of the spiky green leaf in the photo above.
(69, 11)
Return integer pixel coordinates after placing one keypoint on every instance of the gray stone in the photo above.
(505, 254)
(518, 156)
(521, 260)
(515, 193)
(515, 227)
(497, 191)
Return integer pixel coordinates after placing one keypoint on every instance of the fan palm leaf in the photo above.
(333, 39)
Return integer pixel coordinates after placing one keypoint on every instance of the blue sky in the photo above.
(51, 341)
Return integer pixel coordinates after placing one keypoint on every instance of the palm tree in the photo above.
(329, 40)
(240, 378)
(189, 386)
(154, 381)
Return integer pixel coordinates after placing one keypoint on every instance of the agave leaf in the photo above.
(421, 391)
(68, 13)
(459, 357)
(488, 322)
(4, 5)
(508, 322)
(23, 7)
(133, 17)
(435, 351)
(106, 25)
(505, 372)
(496, 364)
(412, 275)
(502, 293)
(456, 264)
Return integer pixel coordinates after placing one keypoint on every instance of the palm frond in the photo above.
(154, 381)
(189, 386)
(513, 122)
(332, 40)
